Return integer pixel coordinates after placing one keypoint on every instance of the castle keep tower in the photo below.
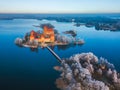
(47, 35)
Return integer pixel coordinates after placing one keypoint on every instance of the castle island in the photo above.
(46, 37)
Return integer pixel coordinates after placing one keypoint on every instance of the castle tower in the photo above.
(32, 35)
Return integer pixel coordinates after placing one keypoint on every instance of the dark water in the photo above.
(22, 69)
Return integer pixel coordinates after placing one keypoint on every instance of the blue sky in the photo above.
(60, 6)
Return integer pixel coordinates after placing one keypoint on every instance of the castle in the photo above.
(45, 37)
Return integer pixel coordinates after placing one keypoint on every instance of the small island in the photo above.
(47, 37)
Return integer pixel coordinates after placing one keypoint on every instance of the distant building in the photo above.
(47, 35)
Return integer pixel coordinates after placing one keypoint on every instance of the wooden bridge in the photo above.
(58, 58)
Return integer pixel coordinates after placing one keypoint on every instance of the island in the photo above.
(47, 37)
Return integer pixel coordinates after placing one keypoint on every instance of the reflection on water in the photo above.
(34, 50)
(59, 47)
(64, 47)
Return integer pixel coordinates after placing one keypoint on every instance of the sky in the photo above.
(59, 6)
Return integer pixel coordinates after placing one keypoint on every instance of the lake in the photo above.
(23, 69)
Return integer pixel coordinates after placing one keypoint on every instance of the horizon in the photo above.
(62, 13)
(58, 7)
